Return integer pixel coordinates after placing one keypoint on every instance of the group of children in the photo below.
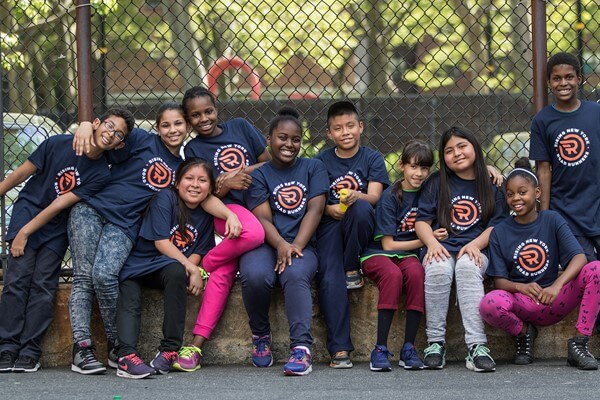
(141, 216)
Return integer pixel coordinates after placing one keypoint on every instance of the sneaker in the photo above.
(131, 366)
(261, 351)
(380, 359)
(113, 358)
(435, 356)
(188, 359)
(163, 360)
(299, 363)
(354, 280)
(26, 364)
(479, 359)
(7, 361)
(341, 360)
(524, 351)
(578, 354)
(409, 359)
(84, 359)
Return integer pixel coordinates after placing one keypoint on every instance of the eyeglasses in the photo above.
(110, 126)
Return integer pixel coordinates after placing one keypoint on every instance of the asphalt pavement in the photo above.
(548, 379)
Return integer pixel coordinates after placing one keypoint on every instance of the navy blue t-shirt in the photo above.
(570, 142)
(354, 173)
(396, 219)
(145, 166)
(59, 171)
(162, 222)
(467, 221)
(239, 143)
(288, 191)
(532, 252)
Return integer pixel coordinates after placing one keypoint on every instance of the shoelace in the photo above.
(582, 349)
(524, 344)
(385, 352)
(262, 345)
(88, 353)
(297, 355)
(434, 348)
(169, 355)
(187, 351)
(411, 353)
(134, 359)
(481, 351)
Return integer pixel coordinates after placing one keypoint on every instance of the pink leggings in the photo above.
(509, 311)
(222, 264)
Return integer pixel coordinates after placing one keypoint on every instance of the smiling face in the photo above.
(345, 131)
(459, 156)
(414, 175)
(564, 83)
(202, 115)
(172, 129)
(521, 197)
(285, 141)
(193, 186)
(109, 134)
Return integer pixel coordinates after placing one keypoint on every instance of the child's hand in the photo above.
(495, 174)
(17, 248)
(195, 284)
(237, 179)
(473, 252)
(548, 294)
(83, 140)
(333, 210)
(285, 252)
(351, 197)
(233, 226)
(436, 252)
(532, 290)
(440, 234)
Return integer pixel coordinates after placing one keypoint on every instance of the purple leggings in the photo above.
(222, 264)
(509, 311)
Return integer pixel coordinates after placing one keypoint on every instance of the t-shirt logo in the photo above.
(572, 147)
(156, 174)
(66, 180)
(290, 197)
(230, 157)
(408, 221)
(465, 212)
(531, 257)
(351, 181)
(183, 242)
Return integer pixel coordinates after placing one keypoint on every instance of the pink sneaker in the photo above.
(188, 359)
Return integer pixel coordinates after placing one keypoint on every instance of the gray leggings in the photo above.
(469, 292)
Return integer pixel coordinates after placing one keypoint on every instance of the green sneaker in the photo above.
(188, 359)
(479, 359)
(435, 356)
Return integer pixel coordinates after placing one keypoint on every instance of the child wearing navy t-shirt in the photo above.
(461, 199)
(343, 235)
(175, 234)
(287, 195)
(392, 258)
(234, 148)
(37, 233)
(525, 253)
(565, 143)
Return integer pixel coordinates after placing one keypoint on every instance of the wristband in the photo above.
(203, 273)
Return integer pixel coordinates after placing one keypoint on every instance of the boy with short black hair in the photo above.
(37, 233)
(565, 143)
(343, 235)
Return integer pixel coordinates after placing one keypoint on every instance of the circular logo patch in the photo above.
(66, 180)
(572, 147)
(157, 175)
(183, 242)
(230, 158)
(464, 213)
(532, 257)
(408, 222)
(290, 197)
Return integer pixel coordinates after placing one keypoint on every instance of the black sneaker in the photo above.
(578, 354)
(84, 359)
(26, 364)
(7, 361)
(479, 359)
(435, 356)
(113, 358)
(524, 351)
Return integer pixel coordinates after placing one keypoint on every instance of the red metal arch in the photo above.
(224, 64)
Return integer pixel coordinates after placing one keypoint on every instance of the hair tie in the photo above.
(535, 178)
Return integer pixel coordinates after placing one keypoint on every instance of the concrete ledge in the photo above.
(231, 339)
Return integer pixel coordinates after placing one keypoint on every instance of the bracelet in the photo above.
(203, 273)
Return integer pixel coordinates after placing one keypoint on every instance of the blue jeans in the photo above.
(99, 250)
(259, 278)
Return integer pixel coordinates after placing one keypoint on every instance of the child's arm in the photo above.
(240, 178)
(17, 177)
(474, 247)
(62, 202)
(548, 294)
(544, 174)
(83, 139)
(215, 207)
(389, 244)
(310, 221)
(495, 175)
(435, 250)
(374, 190)
(191, 269)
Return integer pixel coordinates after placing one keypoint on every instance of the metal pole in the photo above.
(540, 54)
(84, 60)
(579, 29)
(2, 202)
(103, 51)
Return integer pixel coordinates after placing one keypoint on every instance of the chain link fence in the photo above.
(413, 67)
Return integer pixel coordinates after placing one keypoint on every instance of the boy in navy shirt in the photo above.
(565, 143)
(344, 235)
(37, 233)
